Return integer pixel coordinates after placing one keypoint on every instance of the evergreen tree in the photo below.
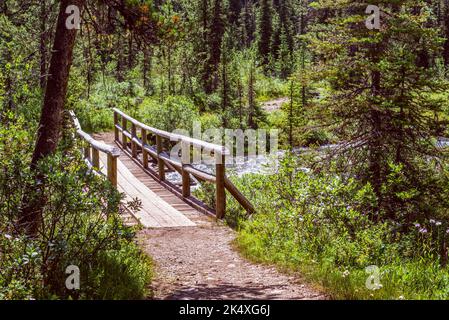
(235, 7)
(381, 103)
(248, 24)
(215, 39)
(251, 98)
(285, 63)
(265, 31)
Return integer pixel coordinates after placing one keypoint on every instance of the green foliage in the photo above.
(95, 113)
(268, 88)
(383, 92)
(210, 121)
(21, 92)
(265, 31)
(122, 274)
(176, 112)
(383, 99)
(320, 225)
(80, 226)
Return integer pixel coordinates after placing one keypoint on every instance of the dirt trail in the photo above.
(200, 263)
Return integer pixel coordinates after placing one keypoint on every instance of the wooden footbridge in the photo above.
(137, 158)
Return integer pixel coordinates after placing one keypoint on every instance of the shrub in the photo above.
(268, 88)
(80, 225)
(321, 225)
(95, 112)
(210, 121)
(176, 112)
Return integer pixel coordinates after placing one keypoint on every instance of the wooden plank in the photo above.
(132, 188)
(164, 219)
(191, 208)
(155, 212)
(148, 212)
(145, 214)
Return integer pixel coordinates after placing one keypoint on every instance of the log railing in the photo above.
(132, 136)
(92, 152)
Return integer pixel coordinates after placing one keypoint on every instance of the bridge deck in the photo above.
(160, 208)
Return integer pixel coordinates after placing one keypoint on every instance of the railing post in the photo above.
(185, 160)
(95, 158)
(112, 169)
(116, 131)
(144, 151)
(133, 143)
(160, 162)
(124, 143)
(87, 152)
(220, 193)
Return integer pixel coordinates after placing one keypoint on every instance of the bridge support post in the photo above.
(143, 133)
(220, 193)
(124, 142)
(95, 158)
(185, 175)
(160, 162)
(116, 131)
(112, 169)
(133, 143)
(87, 152)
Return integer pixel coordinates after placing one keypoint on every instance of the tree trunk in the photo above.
(50, 126)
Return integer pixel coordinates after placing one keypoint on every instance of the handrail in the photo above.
(173, 136)
(91, 152)
(183, 167)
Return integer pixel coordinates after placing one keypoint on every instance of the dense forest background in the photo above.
(377, 97)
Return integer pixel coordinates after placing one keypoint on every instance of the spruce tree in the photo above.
(265, 31)
(248, 24)
(285, 60)
(215, 38)
(382, 106)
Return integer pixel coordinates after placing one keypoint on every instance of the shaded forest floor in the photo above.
(201, 263)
